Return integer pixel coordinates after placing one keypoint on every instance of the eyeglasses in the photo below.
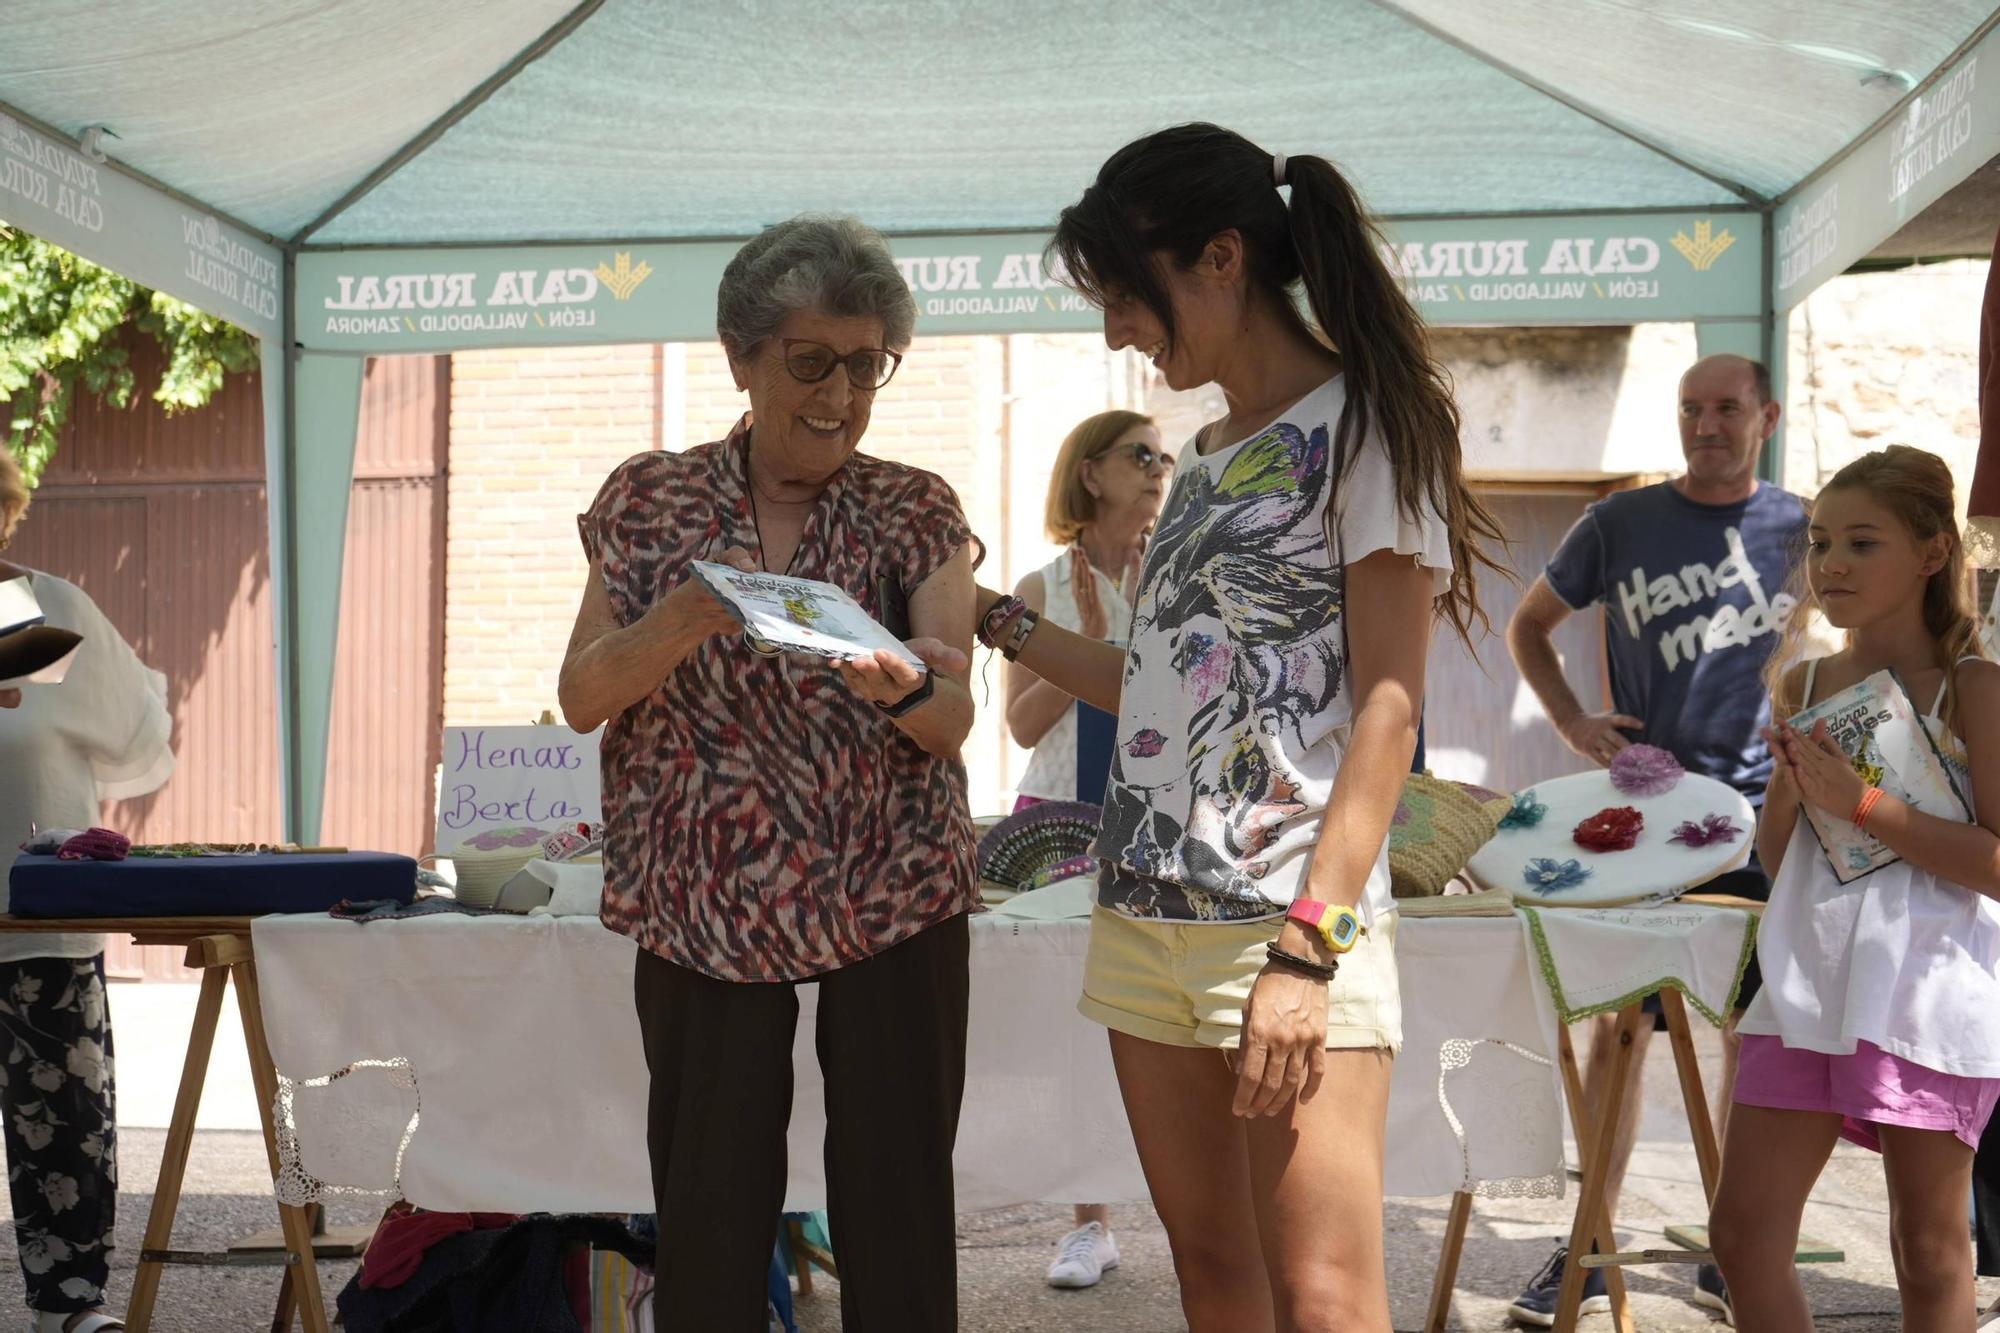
(867, 369)
(1143, 454)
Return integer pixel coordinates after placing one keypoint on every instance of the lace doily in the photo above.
(1455, 1054)
(340, 1123)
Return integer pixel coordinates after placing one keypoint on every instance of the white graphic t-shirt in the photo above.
(1235, 710)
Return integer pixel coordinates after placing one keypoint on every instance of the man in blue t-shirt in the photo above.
(1694, 577)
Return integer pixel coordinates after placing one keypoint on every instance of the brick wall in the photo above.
(533, 434)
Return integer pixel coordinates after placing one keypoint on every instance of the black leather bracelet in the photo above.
(1317, 971)
(911, 700)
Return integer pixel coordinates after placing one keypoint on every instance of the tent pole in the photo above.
(285, 548)
(1774, 324)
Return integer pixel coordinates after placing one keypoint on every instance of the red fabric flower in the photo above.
(1612, 830)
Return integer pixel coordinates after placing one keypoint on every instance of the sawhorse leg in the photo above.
(173, 1162)
(1596, 1130)
(1446, 1277)
(300, 1287)
(223, 958)
(1707, 1155)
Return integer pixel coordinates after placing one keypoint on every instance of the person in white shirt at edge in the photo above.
(1243, 947)
(1879, 1021)
(1109, 481)
(103, 733)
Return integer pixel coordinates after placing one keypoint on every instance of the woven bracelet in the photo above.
(1317, 971)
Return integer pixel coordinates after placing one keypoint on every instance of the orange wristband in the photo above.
(1869, 800)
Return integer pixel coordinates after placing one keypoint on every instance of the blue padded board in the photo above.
(43, 886)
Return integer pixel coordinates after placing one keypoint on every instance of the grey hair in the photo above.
(825, 262)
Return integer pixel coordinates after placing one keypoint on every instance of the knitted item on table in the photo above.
(1437, 827)
(96, 844)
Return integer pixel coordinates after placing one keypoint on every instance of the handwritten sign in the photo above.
(515, 778)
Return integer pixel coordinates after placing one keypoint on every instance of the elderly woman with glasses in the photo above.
(773, 819)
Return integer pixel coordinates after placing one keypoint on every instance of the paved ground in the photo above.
(1002, 1253)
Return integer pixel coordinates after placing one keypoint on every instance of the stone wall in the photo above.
(1885, 358)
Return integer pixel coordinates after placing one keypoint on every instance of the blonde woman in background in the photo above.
(1107, 488)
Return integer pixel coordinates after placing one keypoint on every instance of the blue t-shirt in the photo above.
(1694, 597)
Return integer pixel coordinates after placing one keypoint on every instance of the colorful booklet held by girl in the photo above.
(1880, 729)
(782, 613)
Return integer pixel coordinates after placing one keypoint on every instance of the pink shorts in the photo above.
(1868, 1088)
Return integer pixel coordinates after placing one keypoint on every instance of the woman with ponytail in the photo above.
(1879, 1020)
(1243, 945)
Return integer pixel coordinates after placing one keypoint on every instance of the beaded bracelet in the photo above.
(1866, 807)
(1317, 971)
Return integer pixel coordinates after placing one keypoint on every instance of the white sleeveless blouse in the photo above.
(1900, 958)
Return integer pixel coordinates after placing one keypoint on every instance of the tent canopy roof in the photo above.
(633, 118)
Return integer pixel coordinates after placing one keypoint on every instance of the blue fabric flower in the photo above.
(1547, 875)
(1527, 812)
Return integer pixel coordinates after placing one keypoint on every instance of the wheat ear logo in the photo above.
(1706, 247)
(624, 279)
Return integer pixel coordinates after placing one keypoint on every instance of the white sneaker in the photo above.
(1083, 1256)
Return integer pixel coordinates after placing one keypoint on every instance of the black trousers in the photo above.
(61, 1127)
(891, 1042)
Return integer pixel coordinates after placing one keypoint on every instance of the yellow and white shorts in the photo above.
(1184, 984)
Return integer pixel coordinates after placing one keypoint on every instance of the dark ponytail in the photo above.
(1174, 191)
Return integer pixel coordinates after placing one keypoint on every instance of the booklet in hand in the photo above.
(31, 653)
(780, 613)
(1878, 727)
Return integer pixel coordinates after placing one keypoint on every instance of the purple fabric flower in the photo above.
(1712, 828)
(1645, 770)
(1547, 875)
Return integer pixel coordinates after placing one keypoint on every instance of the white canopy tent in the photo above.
(374, 177)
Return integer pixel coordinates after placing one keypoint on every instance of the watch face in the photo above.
(1344, 928)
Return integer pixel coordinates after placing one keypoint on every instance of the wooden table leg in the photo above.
(1594, 1144)
(1446, 1279)
(173, 1161)
(1582, 1118)
(301, 1282)
(1707, 1155)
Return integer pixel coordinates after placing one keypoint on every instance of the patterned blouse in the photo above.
(762, 821)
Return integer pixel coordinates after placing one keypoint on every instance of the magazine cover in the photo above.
(1879, 728)
(800, 615)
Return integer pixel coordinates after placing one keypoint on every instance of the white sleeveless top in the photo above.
(1051, 772)
(1900, 958)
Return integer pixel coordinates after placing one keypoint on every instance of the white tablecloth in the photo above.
(498, 1058)
(1599, 960)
